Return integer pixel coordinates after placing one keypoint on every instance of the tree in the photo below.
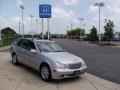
(93, 34)
(76, 32)
(109, 31)
(8, 31)
(47, 33)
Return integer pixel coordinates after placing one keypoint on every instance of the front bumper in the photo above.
(67, 73)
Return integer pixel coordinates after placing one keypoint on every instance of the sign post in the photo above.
(45, 12)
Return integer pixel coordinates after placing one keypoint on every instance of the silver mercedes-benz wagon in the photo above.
(47, 57)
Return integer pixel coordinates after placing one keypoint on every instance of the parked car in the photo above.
(47, 57)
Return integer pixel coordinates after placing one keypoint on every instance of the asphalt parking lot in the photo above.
(23, 78)
(102, 61)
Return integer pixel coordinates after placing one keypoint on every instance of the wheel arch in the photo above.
(13, 53)
(44, 63)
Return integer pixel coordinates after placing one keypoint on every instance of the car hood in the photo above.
(62, 57)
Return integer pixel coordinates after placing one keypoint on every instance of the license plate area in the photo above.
(77, 72)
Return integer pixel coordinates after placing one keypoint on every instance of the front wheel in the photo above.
(45, 72)
(14, 59)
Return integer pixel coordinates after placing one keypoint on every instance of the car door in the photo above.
(19, 50)
(32, 58)
(24, 52)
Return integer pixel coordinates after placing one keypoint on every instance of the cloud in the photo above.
(62, 14)
(112, 5)
(13, 23)
(20, 2)
(109, 11)
(92, 17)
(15, 19)
(71, 2)
(92, 9)
(113, 12)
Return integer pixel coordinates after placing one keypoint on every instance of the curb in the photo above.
(99, 82)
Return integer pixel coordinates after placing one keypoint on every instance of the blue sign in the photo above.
(45, 11)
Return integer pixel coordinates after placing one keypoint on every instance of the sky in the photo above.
(64, 12)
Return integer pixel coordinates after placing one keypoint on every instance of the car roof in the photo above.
(44, 41)
(37, 40)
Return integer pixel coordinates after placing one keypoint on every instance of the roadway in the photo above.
(103, 62)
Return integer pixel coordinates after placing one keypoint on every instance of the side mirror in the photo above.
(33, 51)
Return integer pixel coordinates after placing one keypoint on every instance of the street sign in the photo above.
(45, 11)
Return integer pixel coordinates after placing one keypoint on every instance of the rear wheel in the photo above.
(14, 59)
(45, 72)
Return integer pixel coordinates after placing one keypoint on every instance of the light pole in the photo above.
(48, 28)
(99, 4)
(22, 7)
(42, 28)
(36, 27)
(80, 19)
(19, 28)
(31, 24)
(39, 27)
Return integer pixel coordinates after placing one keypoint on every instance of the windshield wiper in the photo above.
(58, 51)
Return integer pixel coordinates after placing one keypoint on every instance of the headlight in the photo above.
(83, 63)
(60, 65)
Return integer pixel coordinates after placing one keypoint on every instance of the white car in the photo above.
(47, 57)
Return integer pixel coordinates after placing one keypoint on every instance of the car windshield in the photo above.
(49, 47)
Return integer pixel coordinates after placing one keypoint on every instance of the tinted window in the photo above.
(16, 41)
(20, 42)
(24, 44)
(30, 45)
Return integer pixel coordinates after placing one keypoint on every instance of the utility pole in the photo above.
(36, 27)
(31, 24)
(80, 19)
(99, 4)
(19, 28)
(39, 27)
(42, 28)
(48, 28)
(22, 7)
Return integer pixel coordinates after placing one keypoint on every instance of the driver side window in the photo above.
(30, 45)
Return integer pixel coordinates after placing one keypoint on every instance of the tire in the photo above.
(45, 72)
(14, 59)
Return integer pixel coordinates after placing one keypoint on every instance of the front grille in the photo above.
(75, 66)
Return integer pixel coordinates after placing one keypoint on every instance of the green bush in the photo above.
(8, 39)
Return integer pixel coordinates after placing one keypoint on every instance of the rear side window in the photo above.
(16, 41)
(19, 43)
(24, 44)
